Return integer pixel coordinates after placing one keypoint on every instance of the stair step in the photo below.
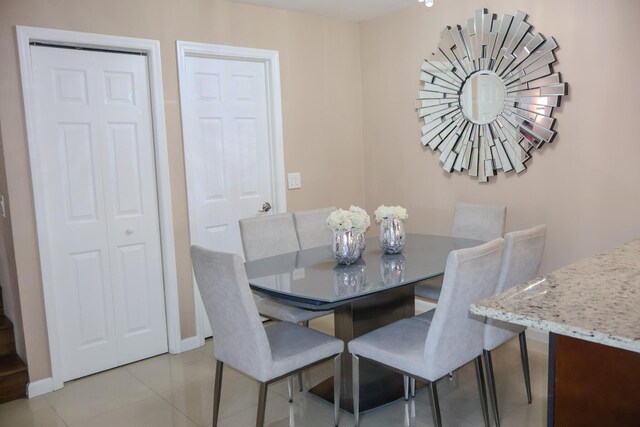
(11, 364)
(5, 322)
(13, 378)
(7, 337)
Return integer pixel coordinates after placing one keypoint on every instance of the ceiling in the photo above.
(350, 10)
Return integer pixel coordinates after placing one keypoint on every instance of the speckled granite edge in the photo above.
(549, 326)
(596, 299)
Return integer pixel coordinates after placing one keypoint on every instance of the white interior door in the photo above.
(228, 156)
(95, 144)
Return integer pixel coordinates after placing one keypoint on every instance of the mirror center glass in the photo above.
(482, 97)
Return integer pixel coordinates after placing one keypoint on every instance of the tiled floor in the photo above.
(176, 391)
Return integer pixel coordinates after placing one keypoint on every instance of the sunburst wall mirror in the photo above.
(488, 95)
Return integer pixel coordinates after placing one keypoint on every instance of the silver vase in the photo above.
(346, 247)
(362, 242)
(392, 236)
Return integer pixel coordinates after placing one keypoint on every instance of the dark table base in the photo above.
(377, 384)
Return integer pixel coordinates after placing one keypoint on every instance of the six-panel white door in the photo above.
(227, 152)
(95, 149)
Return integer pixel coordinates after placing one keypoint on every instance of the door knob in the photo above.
(266, 207)
(129, 232)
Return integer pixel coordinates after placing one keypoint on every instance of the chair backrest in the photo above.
(479, 222)
(240, 338)
(268, 235)
(455, 337)
(311, 227)
(522, 257)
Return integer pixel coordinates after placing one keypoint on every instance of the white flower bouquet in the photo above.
(390, 211)
(360, 219)
(355, 219)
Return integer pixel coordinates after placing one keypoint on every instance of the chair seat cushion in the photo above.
(294, 347)
(278, 311)
(399, 345)
(429, 288)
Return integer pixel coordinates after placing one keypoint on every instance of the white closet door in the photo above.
(95, 146)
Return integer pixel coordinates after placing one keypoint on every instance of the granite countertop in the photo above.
(596, 299)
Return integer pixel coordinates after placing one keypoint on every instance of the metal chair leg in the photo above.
(290, 387)
(493, 397)
(355, 367)
(300, 380)
(525, 363)
(217, 388)
(409, 384)
(262, 404)
(405, 379)
(337, 363)
(435, 404)
(482, 390)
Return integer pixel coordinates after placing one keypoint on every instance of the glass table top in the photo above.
(311, 278)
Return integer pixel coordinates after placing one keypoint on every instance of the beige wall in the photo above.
(320, 74)
(585, 186)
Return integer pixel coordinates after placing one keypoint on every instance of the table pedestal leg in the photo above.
(377, 384)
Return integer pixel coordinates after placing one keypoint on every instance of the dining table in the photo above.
(376, 290)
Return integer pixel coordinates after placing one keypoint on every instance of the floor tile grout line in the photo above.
(104, 412)
(117, 409)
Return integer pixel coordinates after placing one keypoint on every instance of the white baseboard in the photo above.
(190, 343)
(40, 387)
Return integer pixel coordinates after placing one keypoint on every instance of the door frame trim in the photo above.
(25, 35)
(271, 61)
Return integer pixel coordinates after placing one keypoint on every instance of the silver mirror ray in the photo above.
(518, 56)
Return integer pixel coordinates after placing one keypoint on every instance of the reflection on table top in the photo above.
(310, 278)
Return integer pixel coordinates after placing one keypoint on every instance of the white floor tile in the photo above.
(34, 412)
(153, 412)
(163, 372)
(177, 391)
(97, 394)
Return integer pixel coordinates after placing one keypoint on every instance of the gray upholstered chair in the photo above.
(272, 235)
(478, 222)
(311, 227)
(242, 342)
(522, 256)
(429, 349)
(268, 235)
(470, 221)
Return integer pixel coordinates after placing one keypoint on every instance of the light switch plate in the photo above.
(294, 180)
